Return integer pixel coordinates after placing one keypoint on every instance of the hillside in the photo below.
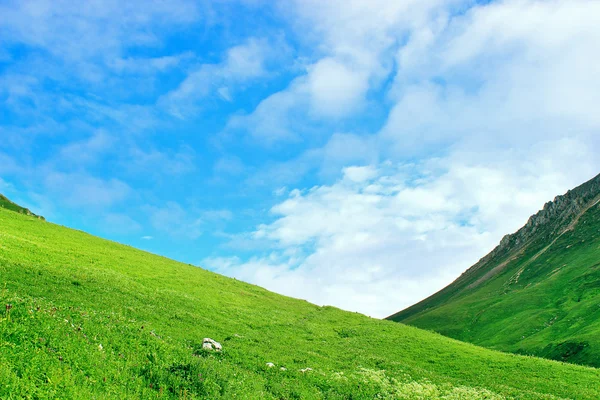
(9, 205)
(537, 293)
(86, 318)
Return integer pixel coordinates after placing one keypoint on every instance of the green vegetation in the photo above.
(538, 293)
(83, 317)
(9, 205)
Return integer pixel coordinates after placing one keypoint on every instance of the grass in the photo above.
(545, 302)
(9, 205)
(83, 318)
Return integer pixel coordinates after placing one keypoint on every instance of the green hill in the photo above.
(537, 293)
(9, 205)
(85, 318)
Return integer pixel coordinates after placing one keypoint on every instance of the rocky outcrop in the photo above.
(549, 222)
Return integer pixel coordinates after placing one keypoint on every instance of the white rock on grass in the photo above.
(283, 368)
(304, 370)
(209, 344)
(270, 365)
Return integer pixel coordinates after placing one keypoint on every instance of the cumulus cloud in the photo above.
(274, 119)
(335, 89)
(505, 73)
(356, 41)
(382, 237)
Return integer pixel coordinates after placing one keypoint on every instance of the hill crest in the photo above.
(6, 203)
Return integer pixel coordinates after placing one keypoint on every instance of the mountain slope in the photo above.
(538, 292)
(83, 317)
(9, 205)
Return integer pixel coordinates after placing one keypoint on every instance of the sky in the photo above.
(360, 154)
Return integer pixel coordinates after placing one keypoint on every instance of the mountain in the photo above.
(9, 205)
(537, 293)
(82, 317)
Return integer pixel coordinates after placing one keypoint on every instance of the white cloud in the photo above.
(148, 65)
(247, 61)
(273, 120)
(335, 89)
(355, 42)
(280, 191)
(360, 174)
(100, 30)
(381, 243)
(86, 151)
(330, 90)
(482, 78)
(241, 64)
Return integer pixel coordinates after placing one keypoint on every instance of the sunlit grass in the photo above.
(83, 317)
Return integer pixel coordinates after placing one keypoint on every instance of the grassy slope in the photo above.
(546, 301)
(90, 318)
(9, 205)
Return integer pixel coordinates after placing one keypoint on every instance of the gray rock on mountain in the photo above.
(548, 223)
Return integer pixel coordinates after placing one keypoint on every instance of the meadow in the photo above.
(86, 318)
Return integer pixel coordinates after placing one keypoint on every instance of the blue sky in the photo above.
(354, 153)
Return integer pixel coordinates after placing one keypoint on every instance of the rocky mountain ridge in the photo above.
(552, 220)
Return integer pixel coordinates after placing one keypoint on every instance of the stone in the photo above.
(270, 365)
(210, 344)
